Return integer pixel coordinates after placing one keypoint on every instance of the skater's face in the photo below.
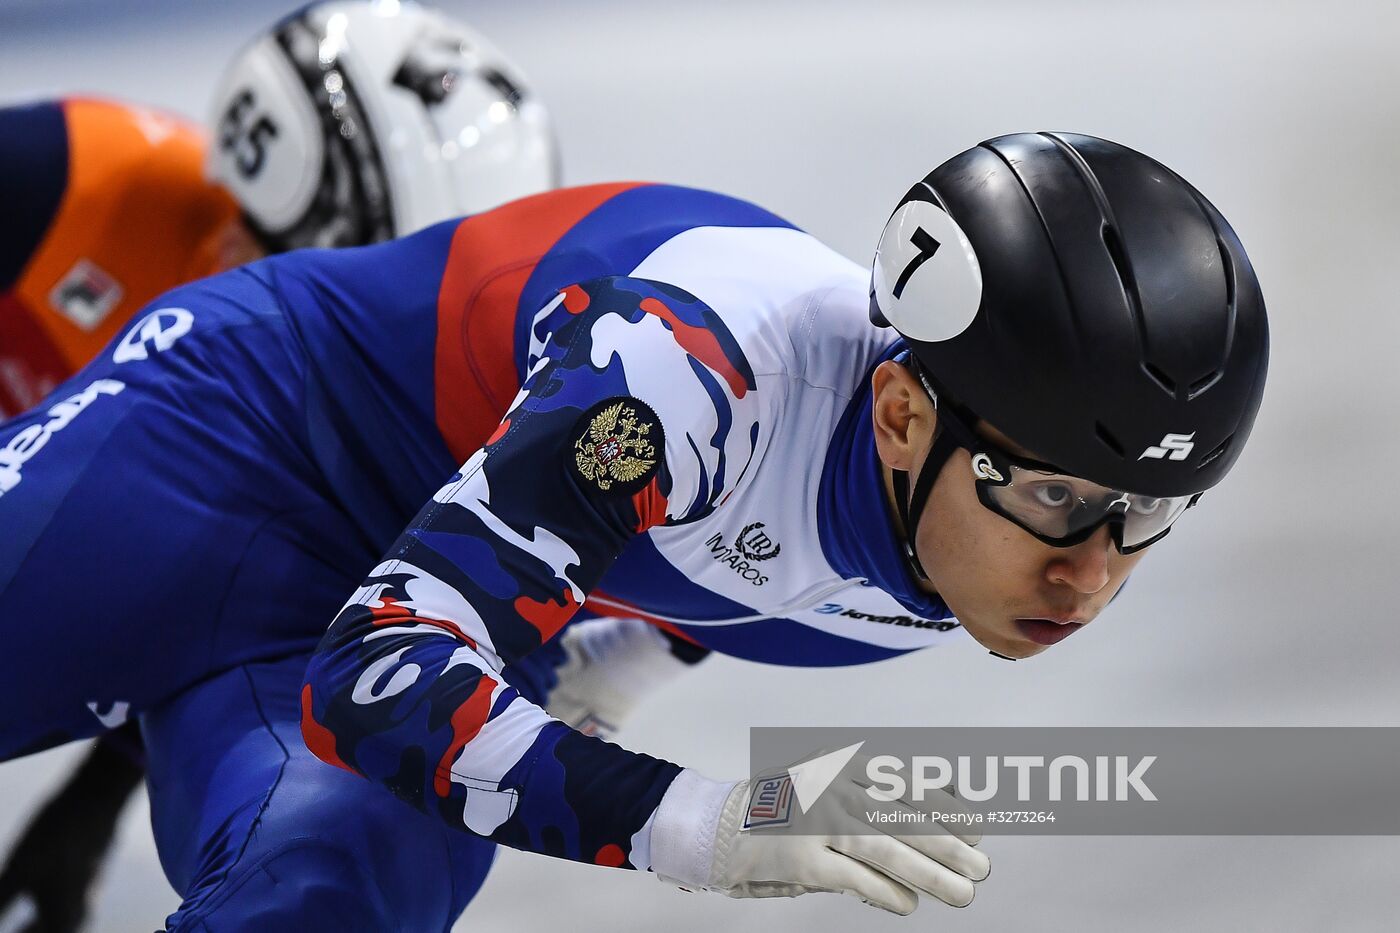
(1012, 592)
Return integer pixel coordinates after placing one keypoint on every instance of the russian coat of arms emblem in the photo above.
(616, 447)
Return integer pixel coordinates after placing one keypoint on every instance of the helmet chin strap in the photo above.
(911, 505)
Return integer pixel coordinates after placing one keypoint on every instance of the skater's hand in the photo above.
(826, 847)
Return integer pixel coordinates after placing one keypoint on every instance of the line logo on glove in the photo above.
(771, 798)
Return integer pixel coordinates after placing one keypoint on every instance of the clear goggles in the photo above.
(1056, 507)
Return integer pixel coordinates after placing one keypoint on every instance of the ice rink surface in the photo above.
(1271, 604)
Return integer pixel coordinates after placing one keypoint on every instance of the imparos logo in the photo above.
(25, 445)
(751, 547)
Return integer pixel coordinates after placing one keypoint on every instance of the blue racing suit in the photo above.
(643, 400)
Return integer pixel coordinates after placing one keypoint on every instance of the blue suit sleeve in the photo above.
(621, 425)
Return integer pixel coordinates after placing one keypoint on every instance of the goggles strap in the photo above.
(911, 505)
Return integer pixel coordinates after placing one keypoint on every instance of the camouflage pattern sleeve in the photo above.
(623, 423)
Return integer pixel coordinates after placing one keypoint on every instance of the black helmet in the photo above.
(1087, 302)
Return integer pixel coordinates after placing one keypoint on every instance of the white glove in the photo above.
(610, 664)
(699, 840)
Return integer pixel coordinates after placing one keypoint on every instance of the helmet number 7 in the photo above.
(926, 246)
